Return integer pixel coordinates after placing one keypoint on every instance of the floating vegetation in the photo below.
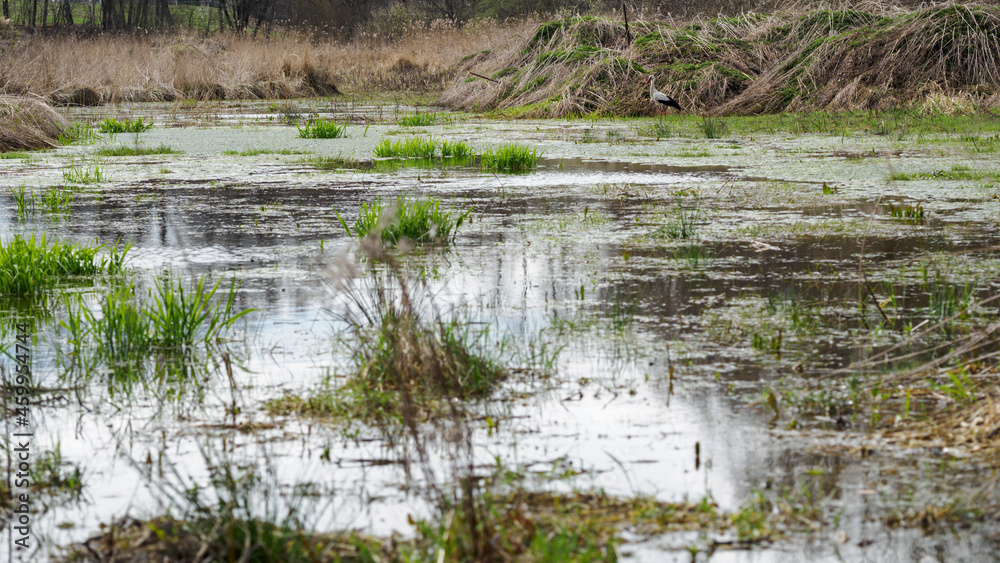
(256, 152)
(510, 157)
(322, 129)
(31, 265)
(337, 163)
(957, 172)
(417, 220)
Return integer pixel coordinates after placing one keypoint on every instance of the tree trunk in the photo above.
(163, 20)
(66, 13)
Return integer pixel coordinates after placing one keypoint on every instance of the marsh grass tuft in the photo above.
(49, 473)
(659, 130)
(56, 199)
(713, 128)
(907, 213)
(31, 265)
(322, 129)
(413, 147)
(423, 149)
(682, 224)
(510, 157)
(418, 119)
(170, 325)
(125, 150)
(418, 220)
(24, 200)
(981, 144)
(78, 133)
(454, 149)
(114, 126)
(408, 367)
(236, 516)
(86, 173)
(693, 254)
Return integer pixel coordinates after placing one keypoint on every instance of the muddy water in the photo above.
(659, 336)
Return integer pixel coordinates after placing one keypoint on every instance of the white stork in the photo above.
(662, 100)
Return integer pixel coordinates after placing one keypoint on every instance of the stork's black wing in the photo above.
(666, 100)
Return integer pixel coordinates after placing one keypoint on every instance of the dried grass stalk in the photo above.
(134, 68)
(974, 427)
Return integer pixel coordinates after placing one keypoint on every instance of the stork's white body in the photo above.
(662, 100)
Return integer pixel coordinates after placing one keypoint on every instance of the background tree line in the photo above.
(341, 17)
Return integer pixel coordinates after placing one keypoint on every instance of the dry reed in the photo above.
(877, 57)
(974, 427)
(100, 69)
(28, 123)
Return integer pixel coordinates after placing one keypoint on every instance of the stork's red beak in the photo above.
(647, 81)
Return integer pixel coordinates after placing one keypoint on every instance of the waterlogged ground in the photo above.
(663, 295)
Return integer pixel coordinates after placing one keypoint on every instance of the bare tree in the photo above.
(457, 11)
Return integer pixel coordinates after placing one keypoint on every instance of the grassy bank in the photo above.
(942, 58)
(135, 68)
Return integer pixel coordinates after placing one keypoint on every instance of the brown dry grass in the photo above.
(87, 70)
(28, 123)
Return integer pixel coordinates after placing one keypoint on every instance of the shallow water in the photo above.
(657, 351)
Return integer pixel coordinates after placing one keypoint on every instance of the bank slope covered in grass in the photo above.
(944, 58)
